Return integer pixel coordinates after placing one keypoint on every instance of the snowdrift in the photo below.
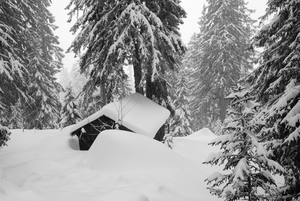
(203, 135)
(122, 151)
(194, 147)
(44, 166)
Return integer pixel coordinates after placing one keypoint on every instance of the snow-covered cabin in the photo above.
(134, 113)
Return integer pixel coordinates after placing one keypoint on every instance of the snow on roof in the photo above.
(136, 112)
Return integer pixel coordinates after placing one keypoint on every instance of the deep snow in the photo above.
(47, 165)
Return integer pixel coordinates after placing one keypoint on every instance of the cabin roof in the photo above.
(136, 112)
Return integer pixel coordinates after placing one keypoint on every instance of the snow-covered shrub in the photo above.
(247, 164)
(168, 140)
(4, 136)
(69, 113)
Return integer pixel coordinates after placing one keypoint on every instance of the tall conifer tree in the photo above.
(275, 85)
(225, 31)
(141, 33)
(32, 45)
(12, 69)
(180, 124)
(249, 167)
(69, 112)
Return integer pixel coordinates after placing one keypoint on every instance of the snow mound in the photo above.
(196, 150)
(40, 165)
(122, 151)
(203, 135)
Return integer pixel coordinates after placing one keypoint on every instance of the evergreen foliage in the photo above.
(17, 117)
(225, 31)
(244, 155)
(91, 103)
(144, 34)
(69, 113)
(4, 136)
(168, 140)
(275, 84)
(12, 69)
(192, 59)
(180, 124)
(32, 54)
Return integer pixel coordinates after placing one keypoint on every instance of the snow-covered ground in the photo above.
(47, 165)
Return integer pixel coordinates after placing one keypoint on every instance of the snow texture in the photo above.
(135, 112)
(241, 170)
(202, 135)
(130, 149)
(47, 165)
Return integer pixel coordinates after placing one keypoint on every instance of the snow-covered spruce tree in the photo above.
(44, 61)
(77, 79)
(64, 77)
(276, 83)
(141, 33)
(225, 31)
(246, 161)
(69, 112)
(12, 69)
(199, 102)
(35, 48)
(180, 123)
(17, 116)
(191, 59)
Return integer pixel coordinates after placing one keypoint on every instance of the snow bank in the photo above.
(203, 135)
(195, 148)
(42, 166)
(122, 151)
(136, 112)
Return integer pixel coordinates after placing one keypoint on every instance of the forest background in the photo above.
(218, 80)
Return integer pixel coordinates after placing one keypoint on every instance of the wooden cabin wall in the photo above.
(160, 134)
(93, 129)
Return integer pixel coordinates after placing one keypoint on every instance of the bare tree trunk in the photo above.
(249, 188)
(137, 69)
(149, 84)
(103, 92)
(223, 106)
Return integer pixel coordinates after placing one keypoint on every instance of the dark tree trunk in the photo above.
(104, 94)
(149, 85)
(137, 69)
(249, 188)
(223, 106)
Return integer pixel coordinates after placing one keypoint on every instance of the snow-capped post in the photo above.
(247, 163)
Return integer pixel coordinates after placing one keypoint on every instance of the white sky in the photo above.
(190, 26)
